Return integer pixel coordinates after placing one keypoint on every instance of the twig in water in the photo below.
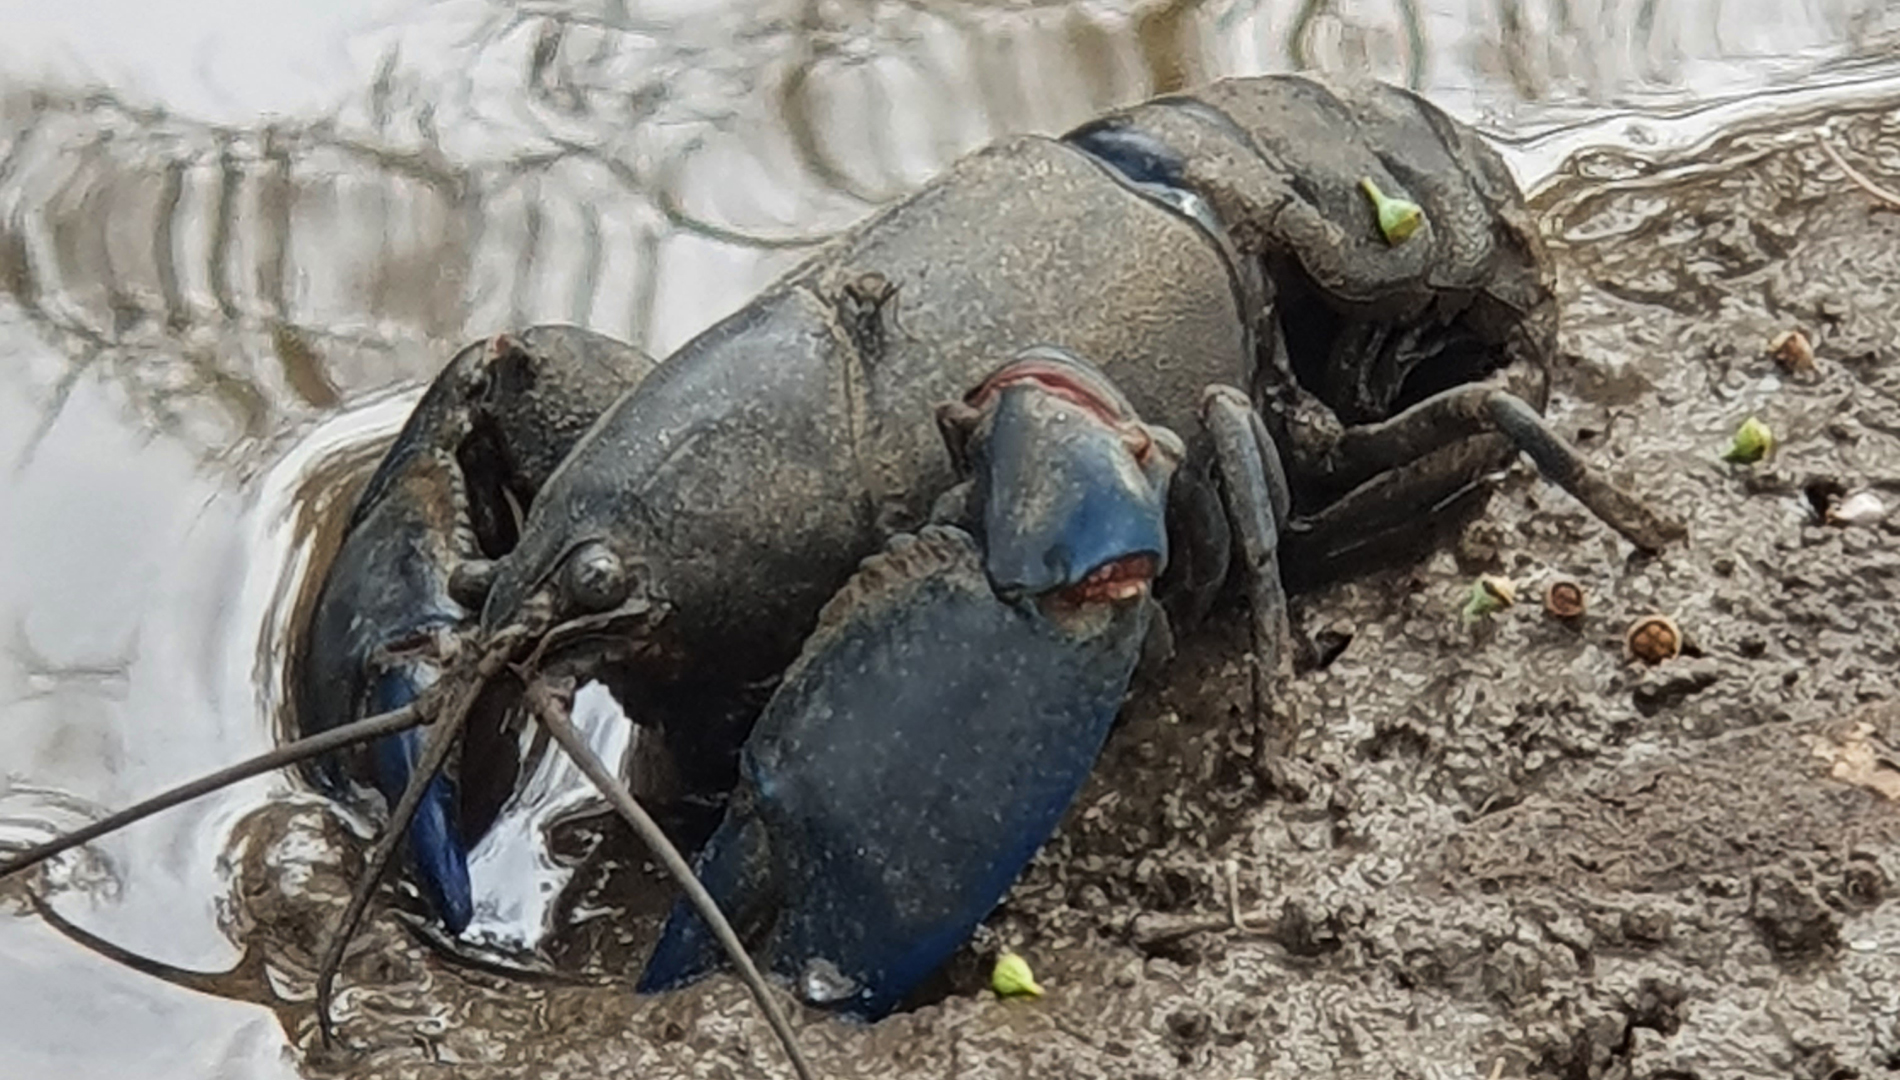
(1855, 176)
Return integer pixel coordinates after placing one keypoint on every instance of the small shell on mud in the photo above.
(1793, 352)
(1489, 594)
(1012, 978)
(1564, 598)
(1753, 441)
(1653, 639)
(1862, 508)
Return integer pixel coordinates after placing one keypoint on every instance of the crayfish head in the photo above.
(1072, 485)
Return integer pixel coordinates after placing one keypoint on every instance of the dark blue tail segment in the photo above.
(435, 842)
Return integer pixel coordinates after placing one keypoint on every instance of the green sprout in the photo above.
(1012, 977)
(1398, 218)
(1489, 594)
(1753, 441)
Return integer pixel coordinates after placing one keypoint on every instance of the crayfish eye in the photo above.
(595, 580)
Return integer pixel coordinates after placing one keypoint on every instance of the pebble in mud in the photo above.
(1793, 352)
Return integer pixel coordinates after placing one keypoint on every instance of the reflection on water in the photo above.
(208, 322)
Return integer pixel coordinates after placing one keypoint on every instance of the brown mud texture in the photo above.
(1500, 848)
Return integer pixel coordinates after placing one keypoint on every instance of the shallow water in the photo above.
(224, 277)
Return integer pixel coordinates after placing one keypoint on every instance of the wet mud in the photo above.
(1495, 849)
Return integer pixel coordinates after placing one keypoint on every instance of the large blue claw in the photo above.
(911, 763)
(486, 435)
(435, 842)
(949, 705)
(371, 649)
(371, 637)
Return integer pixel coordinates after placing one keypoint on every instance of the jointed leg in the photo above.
(1364, 452)
(1254, 491)
(1396, 509)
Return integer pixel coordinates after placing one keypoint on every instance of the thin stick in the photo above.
(553, 716)
(1855, 176)
(336, 738)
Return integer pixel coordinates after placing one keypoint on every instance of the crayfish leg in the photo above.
(1399, 469)
(1253, 490)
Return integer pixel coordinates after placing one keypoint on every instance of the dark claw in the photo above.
(415, 563)
(1070, 480)
(738, 869)
(372, 647)
(909, 767)
(943, 715)
(435, 841)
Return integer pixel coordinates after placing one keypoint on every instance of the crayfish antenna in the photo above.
(361, 731)
(552, 715)
(246, 981)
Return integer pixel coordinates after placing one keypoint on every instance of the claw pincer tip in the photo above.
(435, 843)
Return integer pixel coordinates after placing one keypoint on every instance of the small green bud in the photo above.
(1012, 977)
(1489, 594)
(1753, 441)
(1398, 218)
